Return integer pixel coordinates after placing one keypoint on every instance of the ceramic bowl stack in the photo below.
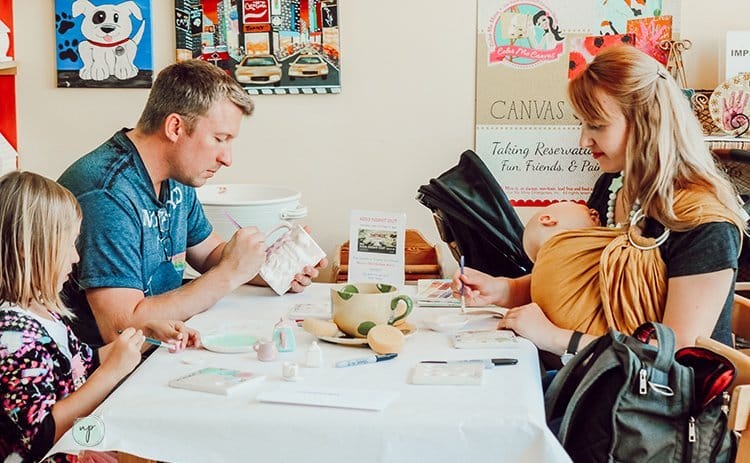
(262, 206)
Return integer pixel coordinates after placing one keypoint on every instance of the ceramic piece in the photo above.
(406, 328)
(229, 343)
(729, 105)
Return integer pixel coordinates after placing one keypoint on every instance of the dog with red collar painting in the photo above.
(109, 49)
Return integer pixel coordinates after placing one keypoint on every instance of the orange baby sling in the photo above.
(595, 278)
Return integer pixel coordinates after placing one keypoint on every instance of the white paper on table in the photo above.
(362, 399)
(376, 247)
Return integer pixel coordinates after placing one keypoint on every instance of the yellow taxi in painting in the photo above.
(259, 70)
(308, 65)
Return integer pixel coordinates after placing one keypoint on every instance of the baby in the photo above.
(591, 278)
(553, 219)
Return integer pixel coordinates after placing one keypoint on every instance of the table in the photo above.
(501, 420)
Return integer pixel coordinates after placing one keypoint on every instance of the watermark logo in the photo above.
(88, 431)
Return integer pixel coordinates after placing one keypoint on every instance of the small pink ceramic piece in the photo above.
(266, 350)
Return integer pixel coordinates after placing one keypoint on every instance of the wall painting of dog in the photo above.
(269, 46)
(104, 43)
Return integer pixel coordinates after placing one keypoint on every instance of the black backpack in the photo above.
(622, 399)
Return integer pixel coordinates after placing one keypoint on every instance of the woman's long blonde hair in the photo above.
(665, 148)
(38, 223)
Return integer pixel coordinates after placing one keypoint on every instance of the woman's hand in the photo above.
(174, 332)
(481, 289)
(529, 321)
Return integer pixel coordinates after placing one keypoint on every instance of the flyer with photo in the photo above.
(376, 247)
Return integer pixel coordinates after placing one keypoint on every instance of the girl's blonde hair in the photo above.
(38, 225)
(665, 149)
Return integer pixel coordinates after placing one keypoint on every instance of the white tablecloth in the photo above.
(501, 420)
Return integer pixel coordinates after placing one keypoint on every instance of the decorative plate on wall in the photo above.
(730, 105)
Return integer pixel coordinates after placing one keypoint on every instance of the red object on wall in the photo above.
(8, 84)
(8, 110)
(255, 11)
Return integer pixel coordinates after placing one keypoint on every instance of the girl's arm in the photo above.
(83, 401)
(117, 360)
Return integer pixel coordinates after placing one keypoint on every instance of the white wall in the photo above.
(405, 113)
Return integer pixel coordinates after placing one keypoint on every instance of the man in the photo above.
(141, 219)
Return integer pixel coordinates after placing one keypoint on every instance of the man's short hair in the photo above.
(190, 88)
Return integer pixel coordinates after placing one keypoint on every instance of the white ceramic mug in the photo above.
(289, 370)
(266, 350)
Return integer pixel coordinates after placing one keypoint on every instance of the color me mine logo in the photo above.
(523, 35)
(88, 431)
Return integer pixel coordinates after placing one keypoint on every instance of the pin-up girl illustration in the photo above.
(551, 33)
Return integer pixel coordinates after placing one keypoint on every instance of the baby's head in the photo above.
(553, 219)
(39, 222)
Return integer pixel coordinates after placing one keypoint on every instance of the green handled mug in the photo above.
(360, 306)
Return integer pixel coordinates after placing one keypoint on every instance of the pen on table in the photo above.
(365, 360)
(488, 363)
(155, 342)
(463, 298)
(232, 219)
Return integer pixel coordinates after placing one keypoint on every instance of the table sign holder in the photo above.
(376, 251)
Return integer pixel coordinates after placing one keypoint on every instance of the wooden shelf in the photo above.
(7, 68)
(719, 143)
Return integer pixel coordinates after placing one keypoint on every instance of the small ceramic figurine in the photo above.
(283, 335)
(266, 350)
(314, 356)
(290, 371)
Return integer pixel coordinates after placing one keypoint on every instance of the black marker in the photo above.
(488, 363)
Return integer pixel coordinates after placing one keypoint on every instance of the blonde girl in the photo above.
(47, 377)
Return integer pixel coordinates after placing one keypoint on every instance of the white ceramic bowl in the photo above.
(262, 206)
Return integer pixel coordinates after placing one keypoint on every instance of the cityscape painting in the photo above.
(268, 46)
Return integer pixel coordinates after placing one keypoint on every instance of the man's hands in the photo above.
(243, 255)
(304, 279)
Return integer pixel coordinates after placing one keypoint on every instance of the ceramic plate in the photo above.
(406, 328)
(229, 343)
(448, 323)
(730, 99)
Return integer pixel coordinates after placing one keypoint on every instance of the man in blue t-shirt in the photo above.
(142, 221)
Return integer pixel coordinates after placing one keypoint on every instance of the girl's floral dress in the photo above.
(34, 374)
